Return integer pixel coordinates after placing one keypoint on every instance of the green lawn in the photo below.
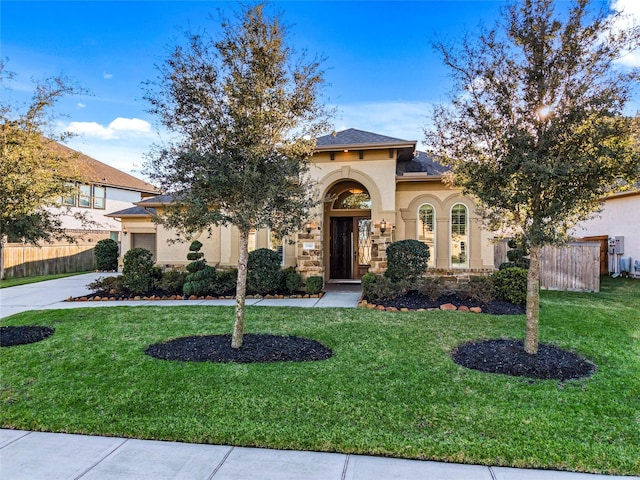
(13, 282)
(390, 389)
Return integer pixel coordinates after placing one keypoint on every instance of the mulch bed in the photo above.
(11, 336)
(255, 348)
(509, 358)
(414, 300)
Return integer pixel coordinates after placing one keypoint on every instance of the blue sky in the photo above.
(382, 71)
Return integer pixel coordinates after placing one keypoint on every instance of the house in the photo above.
(374, 189)
(99, 191)
(618, 219)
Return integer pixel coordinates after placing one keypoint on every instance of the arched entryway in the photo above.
(348, 215)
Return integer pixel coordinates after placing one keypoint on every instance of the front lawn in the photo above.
(14, 282)
(391, 387)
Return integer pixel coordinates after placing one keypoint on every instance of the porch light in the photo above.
(383, 226)
(125, 230)
(308, 227)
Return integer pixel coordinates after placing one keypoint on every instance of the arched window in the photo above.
(459, 236)
(427, 230)
(351, 199)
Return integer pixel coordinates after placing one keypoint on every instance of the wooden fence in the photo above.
(575, 267)
(28, 260)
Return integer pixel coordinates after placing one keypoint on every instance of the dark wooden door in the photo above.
(342, 248)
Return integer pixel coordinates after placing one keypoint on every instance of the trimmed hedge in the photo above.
(106, 253)
(511, 285)
(263, 271)
(406, 260)
(139, 273)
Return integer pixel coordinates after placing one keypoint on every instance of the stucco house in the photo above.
(374, 189)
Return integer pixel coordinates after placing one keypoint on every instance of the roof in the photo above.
(93, 171)
(421, 163)
(156, 201)
(359, 139)
(133, 212)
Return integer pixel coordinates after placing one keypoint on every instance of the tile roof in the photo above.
(133, 212)
(91, 170)
(421, 163)
(353, 137)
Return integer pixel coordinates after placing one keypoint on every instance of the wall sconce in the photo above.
(125, 230)
(308, 227)
(383, 226)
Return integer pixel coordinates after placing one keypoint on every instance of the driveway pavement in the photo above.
(42, 455)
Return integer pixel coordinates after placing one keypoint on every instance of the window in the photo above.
(253, 240)
(427, 229)
(84, 196)
(459, 236)
(353, 199)
(277, 245)
(69, 200)
(99, 196)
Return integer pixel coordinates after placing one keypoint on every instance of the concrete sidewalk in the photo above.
(37, 455)
(52, 294)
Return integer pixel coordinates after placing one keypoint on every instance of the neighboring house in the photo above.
(620, 217)
(374, 189)
(102, 190)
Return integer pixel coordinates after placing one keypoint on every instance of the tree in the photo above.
(34, 171)
(537, 132)
(244, 114)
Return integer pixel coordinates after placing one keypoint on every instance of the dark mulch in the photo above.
(414, 300)
(10, 336)
(509, 358)
(255, 348)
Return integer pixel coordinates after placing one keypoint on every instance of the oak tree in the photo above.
(536, 130)
(243, 111)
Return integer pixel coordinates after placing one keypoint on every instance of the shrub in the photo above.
(139, 273)
(263, 271)
(433, 288)
(406, 259)
(224, 282)
(383, 288)
(198, 280)
(106, 253)
(292, 280)
(480, 289)
(172, 281)
(511, 285)
(314, 285)
(110, 285)
(368, 279)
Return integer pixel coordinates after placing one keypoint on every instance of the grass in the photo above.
(390, 389)
(14, 282)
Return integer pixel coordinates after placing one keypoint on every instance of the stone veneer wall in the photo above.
(310, 261)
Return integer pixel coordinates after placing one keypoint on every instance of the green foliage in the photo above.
(172, 281)
(106, 253)
(292, 280)
(368, 279)
(511, 285)
(480, 289)
(198, 280)
(224, 282)
(406, 259)
(108, 285)
(263, 271)
(433, 288)
(139, 273)
(314, 284)
(383, 288)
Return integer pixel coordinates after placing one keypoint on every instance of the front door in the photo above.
(350, 255)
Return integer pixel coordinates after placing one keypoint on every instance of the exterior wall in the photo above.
(411, 195)
(619, 217)
(116, 199)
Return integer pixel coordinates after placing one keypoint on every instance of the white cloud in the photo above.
(117, 129)
(80, 105)
(630, 18)
(107, 76)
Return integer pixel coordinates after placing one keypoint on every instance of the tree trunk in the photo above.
(533, 302)
(241, 290)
